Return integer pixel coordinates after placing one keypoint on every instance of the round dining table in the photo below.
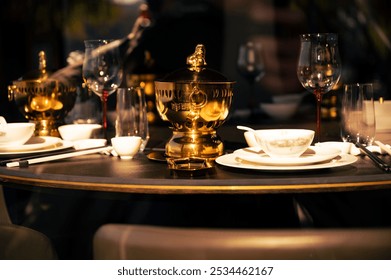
(105, 173)
(69, 199)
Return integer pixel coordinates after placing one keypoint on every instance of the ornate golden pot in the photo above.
(41, 99)
(195, 100)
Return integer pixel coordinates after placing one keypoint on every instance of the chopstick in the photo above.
(28, 161)
(44, 154)
(378, 161)
(383, 147)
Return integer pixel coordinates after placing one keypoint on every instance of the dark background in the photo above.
(59, 27)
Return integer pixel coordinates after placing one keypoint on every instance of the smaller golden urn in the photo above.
(195, 100)
(42, 99)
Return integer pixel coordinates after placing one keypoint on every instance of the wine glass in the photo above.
(251, 66)
(101, 71)
(319, 67)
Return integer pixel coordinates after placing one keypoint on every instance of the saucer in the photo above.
(232, 161)
(314, 154)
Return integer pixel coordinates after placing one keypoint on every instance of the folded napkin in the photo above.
(350, 148)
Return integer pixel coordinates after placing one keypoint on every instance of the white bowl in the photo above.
(73, 132)
(279, 111)
(283, 142)
(289, 98)
(15, 134)
(126, 146)
(283, 106)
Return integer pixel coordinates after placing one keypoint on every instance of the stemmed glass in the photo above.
(101, 72)
(319, 67)
(251, 65)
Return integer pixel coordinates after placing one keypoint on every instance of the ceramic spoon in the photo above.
(241, 127)
(249, 129)
(3, 126)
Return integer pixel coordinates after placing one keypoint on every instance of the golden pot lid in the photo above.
(41, 74)
(37, 81)
(196, 71)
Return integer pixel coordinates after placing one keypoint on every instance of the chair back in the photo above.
(19, 242)
(4, 217)
(116, 241)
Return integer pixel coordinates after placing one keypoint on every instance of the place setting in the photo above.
(293, 149)
(20, 146)
(17, 139)
(284, 149)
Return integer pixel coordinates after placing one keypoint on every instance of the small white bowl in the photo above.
(126, 147)
(289, 98)
(279, 111)
(283, 106)
(284, 142)
(74, 132)
(15, 134)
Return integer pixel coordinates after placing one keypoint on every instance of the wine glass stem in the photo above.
(105, 95)
(318, 96)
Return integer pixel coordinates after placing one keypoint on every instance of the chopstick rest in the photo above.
(378, 161)
(26, 162)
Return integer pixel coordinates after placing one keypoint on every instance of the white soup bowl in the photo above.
(281, 142)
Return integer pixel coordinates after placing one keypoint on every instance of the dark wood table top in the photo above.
(142, 175)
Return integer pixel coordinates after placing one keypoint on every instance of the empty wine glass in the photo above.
(358, 124)
(251, 65)
(319, 67)
(101, 71)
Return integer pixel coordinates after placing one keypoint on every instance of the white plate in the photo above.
(34, 143)
(37, 144)
(314, 154)
(231, 160)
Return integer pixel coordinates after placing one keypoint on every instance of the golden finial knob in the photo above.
(42, 61)
(197, 60)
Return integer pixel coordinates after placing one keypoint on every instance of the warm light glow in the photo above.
(127, 2)
(278, 241)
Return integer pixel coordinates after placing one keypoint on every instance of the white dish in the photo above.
(232, 160)
(34, 143)
(89, 143)
(312, 155)
(37, 144)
